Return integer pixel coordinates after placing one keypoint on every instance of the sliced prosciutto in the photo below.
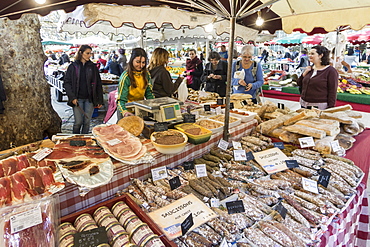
(22, 162)
(10, 166)
(106, 130)
(5, 191)
(19, 186)
(47, 176)
(1, 170)
(139, 155)
(34, 181)
(58, 154)
(31, 160)
(47, 163)
(127, 148)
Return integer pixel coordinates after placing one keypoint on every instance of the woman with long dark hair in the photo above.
(194, 70)
(318, 83)
(135, 82)
(84, 89)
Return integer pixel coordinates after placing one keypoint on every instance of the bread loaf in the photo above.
(287, 136)
(303, 115)
(276, 132)
(269, 125)
(304, 130)
(352, 129)
(339, 116)
(353, 114)
(331, 122)
(338, 108)
(330, 130)
(323, 145)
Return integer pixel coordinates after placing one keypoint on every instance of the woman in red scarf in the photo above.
(194, 70)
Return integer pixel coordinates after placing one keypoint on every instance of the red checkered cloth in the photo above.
(351, 227)
(71, 201)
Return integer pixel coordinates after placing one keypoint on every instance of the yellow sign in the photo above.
(272, 160)
(170, 217)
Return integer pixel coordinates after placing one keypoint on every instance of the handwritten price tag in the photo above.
(223, 144)
(42, 154)
(310, 185)
(201, 170)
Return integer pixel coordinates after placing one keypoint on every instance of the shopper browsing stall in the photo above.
(194, 70)
(161, 78)
(214, 75)
(135, 82)
(247, 74)
(84, 89)
(318, 83)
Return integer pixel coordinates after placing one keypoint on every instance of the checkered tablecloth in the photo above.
(71, 201)
(351, 227)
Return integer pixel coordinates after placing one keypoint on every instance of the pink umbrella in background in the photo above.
(313, 40)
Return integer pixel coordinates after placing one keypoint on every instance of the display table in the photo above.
(71, 201)
(351, 227)
(359, 102)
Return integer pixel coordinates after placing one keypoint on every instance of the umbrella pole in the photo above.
(228, 81)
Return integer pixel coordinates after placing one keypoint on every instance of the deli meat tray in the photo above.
(133, 206)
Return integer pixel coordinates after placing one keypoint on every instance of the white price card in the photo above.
(310, 185)
(237, 145)
(240, 155)
(201, 170)
(159, 173)
(24, 220)
(335, 147)
(218, 110)
(306, 142)
(215, 203)
(114, 141)
(42, 154)
(223, 144)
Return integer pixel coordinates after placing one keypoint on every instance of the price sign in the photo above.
(250, 156)
(235, 207)
(188, 165)
(207, 107)
(158, 127)
(335, 147)
(24, 220)
(231, 105)
(237, 145)
(91, 238)
(77, 143)
(189, 118)
(159, 173)
(281, 106)
(281, 210)
(220, 101)
(272, 160)
(324, 177)
(201, 170)
(223, 144)
(310, 185)
(42, 154)
(174, 182)
(306, 142)
(291, 164)
(279, 145)
(244, 102)
(240, 155)
(114, 142)
(187, 224)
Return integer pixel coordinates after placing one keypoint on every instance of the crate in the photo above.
(133, 206)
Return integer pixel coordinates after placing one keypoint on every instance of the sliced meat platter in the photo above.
(121, 145)
(22, 177)
(82, 161)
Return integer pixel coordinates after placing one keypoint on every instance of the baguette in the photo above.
(303, 115)
(272, 124)
(353, 114)
(307, 131)
(338, 108)
(287, 136)
(329, 129)
(341, 117)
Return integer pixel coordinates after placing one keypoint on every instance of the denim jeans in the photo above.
(80, 119)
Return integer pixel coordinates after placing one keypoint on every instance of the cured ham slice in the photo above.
(19, 186)
(47, 163)
(106, 130)
(10, 166)
(5, 191)
(127, 148)
(47, 177)
(58, 154)
(31, 160)
(22, 162)
(34, 181)
(139, 155)
(123, 134)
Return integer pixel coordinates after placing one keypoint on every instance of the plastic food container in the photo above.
(171, 148)
(244, 115)
(214, 130)
(221, 118)
(195, 139)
